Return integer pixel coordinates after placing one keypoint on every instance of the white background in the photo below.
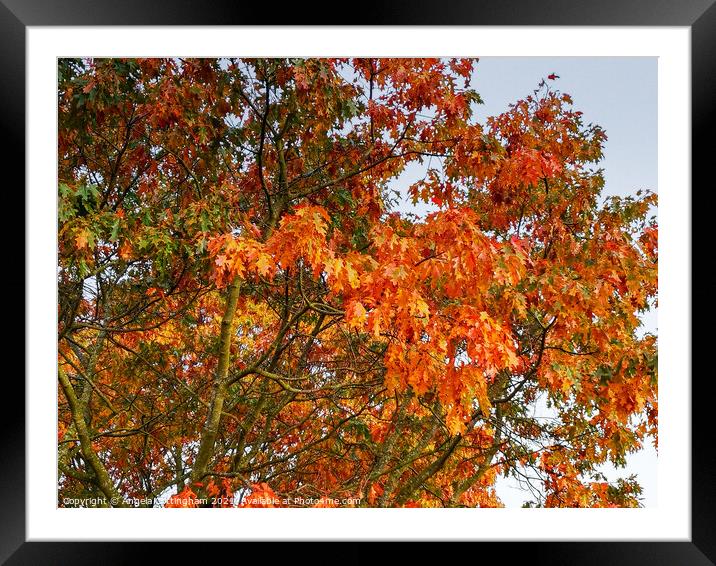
(670, 520)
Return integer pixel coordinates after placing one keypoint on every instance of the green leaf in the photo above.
(115, 230)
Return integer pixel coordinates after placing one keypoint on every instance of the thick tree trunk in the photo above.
(213, 419)
(104, 482)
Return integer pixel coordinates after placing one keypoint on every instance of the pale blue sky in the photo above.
(618, 93)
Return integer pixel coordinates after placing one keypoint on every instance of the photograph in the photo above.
(421, 275)
(357, 282)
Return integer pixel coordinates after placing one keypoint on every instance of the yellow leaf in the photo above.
(353, 279)
(82, 238)
(356, 314)
(265, 264)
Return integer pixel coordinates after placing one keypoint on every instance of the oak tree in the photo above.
(247, 314)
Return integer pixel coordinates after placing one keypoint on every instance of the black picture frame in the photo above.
(698, 15)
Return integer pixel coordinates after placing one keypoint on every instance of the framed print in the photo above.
(390, 281)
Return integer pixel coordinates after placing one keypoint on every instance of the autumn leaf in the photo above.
(83, 238)
(264, 264)
(356, 314)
